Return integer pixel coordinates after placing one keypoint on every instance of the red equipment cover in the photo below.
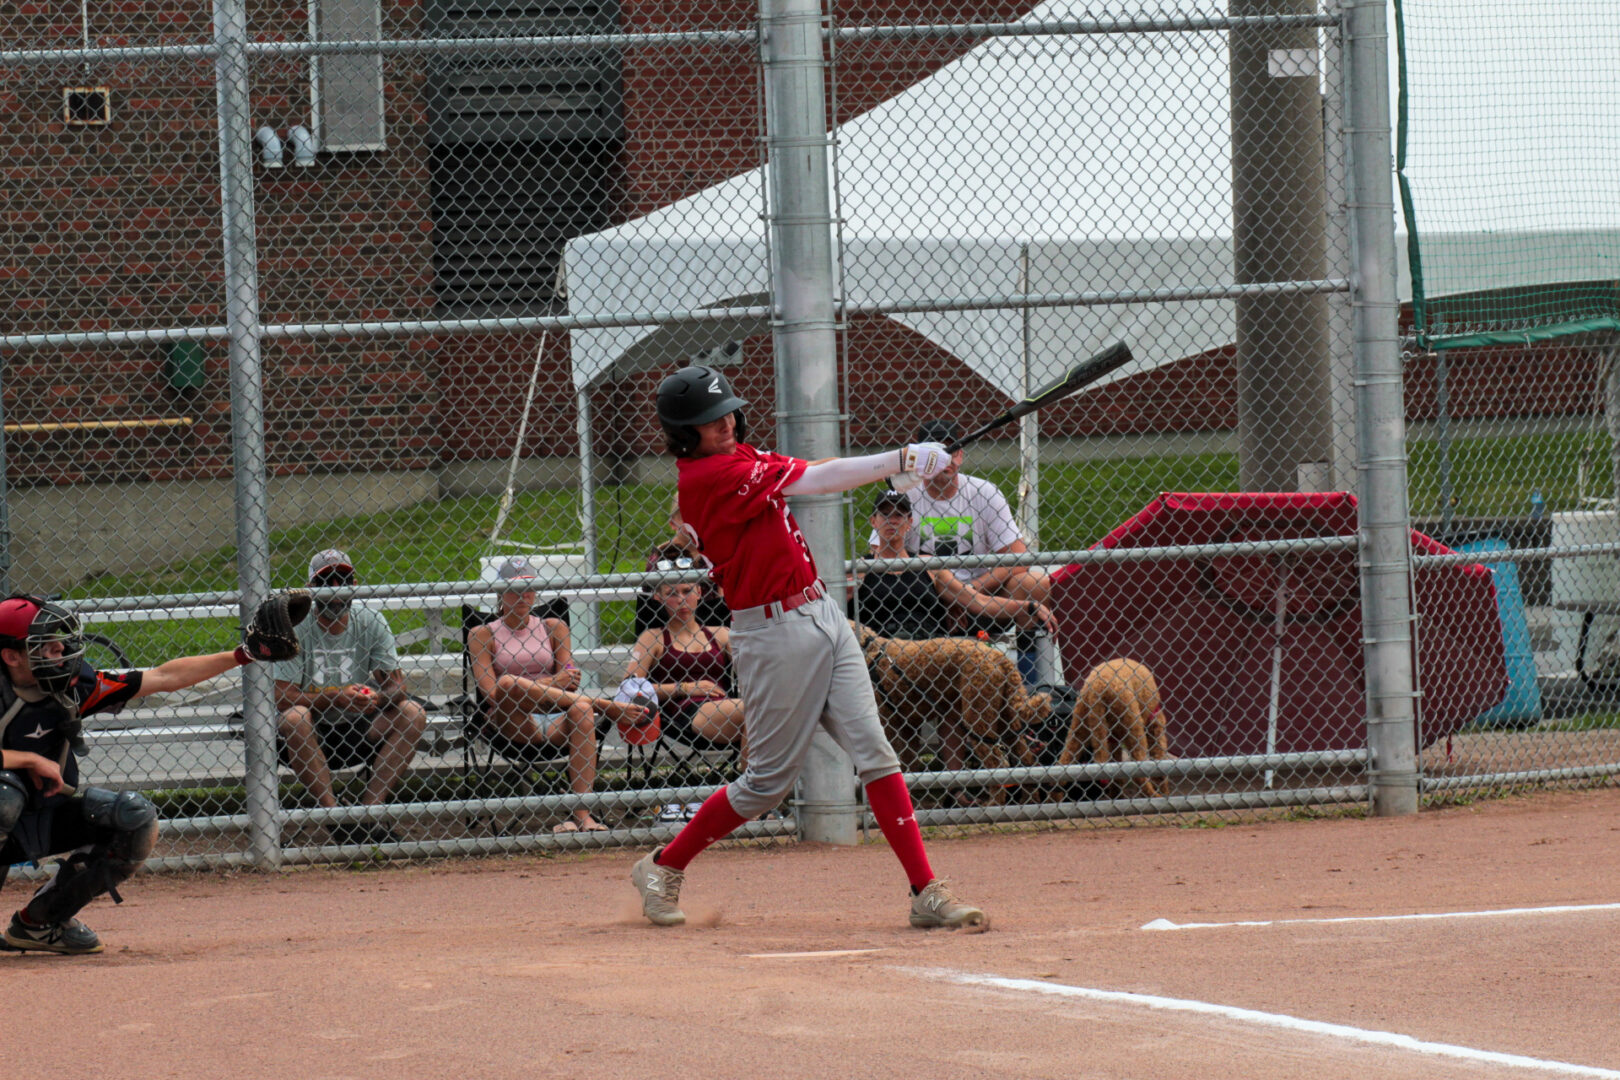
(1209, 627)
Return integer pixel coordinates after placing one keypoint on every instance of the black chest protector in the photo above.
(50, 727)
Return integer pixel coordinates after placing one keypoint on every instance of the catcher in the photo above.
(46, 687)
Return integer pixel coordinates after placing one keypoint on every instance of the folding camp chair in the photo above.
(548, 764)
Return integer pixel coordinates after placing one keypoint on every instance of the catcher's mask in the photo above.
(48, 634)
(692, 396)
(328, 578)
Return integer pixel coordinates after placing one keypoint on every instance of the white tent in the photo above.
(1108, 156)
(1029, 141)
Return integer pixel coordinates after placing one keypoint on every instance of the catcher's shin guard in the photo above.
(86, 874)
(13, 800)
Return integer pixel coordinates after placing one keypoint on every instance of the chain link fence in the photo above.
(375, 297)
(1508, 202)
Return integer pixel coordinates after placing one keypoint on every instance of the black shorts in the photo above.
(676, 722)
(345, 739)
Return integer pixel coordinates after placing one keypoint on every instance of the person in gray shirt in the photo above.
(342, 702)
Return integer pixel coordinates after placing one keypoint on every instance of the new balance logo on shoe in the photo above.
(660, 889)
(938, 908)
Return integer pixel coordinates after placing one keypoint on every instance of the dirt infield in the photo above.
(542, 967)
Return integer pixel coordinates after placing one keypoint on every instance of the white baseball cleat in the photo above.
(936, 906)
(660, 889)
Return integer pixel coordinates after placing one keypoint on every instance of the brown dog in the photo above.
(969, 689)
(1118, 708)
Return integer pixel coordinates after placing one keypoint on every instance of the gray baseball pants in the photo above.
(797, 669)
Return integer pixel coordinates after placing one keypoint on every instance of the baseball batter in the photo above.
(797, 662)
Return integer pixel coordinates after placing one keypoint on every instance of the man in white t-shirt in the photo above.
(956, 514)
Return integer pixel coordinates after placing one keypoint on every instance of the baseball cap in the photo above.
(892, 500)
(939, 430)
(330, 559)
(515, 568)
(637, 691)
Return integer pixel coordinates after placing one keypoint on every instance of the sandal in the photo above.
(565, 827)
(593, 826)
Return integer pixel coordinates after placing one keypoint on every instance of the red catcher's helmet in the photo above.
(31, 625)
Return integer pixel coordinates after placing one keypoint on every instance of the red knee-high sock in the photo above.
(713, 821)
(891, 805)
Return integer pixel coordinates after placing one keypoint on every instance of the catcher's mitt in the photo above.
(269, 634)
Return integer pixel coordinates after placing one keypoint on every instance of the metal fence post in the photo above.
(247, 412)
(805, 339)
(1279, 233)
(1386, 566)
(5, 507)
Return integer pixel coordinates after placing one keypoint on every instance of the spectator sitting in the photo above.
(957, 514)
(343, 702)
(689, 664)
(919, 604)
(524, 668)
(680, 553)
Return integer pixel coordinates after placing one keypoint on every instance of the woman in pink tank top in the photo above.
(525, 672)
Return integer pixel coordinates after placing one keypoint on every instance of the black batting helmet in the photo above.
(692, 396)
(29, 624)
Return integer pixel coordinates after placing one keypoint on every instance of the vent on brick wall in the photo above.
(526, 150)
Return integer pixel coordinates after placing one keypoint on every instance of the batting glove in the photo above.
(926, 459)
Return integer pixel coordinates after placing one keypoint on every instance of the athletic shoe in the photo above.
(936, 906)
(691, 811)
(660, 889)
(71, 937)
(671, 814)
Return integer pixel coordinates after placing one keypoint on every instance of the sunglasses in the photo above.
(682, 563)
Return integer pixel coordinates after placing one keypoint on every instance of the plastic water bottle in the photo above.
(1538, 505)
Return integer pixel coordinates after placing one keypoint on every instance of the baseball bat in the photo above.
(1078, 378)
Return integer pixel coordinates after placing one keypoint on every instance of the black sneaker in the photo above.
(71, 937)
(363, 833)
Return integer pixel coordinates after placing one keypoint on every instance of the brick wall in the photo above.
(118, 226)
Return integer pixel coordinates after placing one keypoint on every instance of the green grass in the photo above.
(1584, 722)
(431, 541)
(1496, 477)
(1080, 502)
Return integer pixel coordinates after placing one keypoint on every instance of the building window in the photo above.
(347, 90)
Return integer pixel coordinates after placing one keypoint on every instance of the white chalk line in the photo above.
(1389, 1039)
(808, 955)
(1166, 924)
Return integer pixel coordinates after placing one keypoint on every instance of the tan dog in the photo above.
(962, 685)
(1118, 708)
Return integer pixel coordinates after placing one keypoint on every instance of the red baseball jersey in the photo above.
(734, 507)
